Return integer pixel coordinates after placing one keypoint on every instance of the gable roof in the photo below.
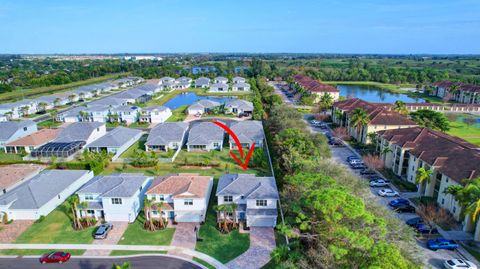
(78, 131)
(36, 192)
(247, 131)
(239, 103)
(202, 81)
(181, 185)
(313, 85)
(9, 128)
(204, 133)
(166, 132)
(121, 185)
(36, 139)
(155, 108)
(204, 103)
(116, 137)
(247, 185)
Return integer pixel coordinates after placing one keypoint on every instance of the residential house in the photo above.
(452, 161)
(457, 91)
(32, 141)
(125, 114)
(13, 130)
(202, 106)
(116, 142)
(167, 136)
(167, 81)
(82, 131)
(241, 87)
(238, 80)
(18, 109)
(184, 81)
(220, 80)
(184, 197)
(114, 198)
(155, 114)
(316, 88)
(51, 101)
(256, 197)
(205, 136)
(202, 82)
(96, 113)
(14, 174)
(218, 87)
(41, 194)
(71, 115)
(239, 107)
(380, 118)
(248, 132)
(134, 96)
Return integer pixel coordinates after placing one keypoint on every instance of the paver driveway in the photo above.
(185, 237)
(113, 237)
(262, 243)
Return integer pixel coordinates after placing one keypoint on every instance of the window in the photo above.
(188, 202)
(154, 197)
(90, 212)
(116, 201)
(25, 128)
(443, 201)
(261, 202)
(161, 197)
(215, 145)
(227, 198)
(242, 197)
(446, 179)
(88, 197)
(454, 209)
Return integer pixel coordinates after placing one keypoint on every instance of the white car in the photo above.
(387, 193)
(314, 122)
(458, 263)
(378, 183)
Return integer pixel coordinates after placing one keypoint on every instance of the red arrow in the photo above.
(239, 146)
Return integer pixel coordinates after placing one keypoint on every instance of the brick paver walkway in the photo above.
(184, 237)
(262, 242)
(113, 237)
(10, 232)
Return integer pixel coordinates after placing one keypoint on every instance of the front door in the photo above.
(242, 216)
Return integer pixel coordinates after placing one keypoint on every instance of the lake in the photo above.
(375, 95)
(191, 97)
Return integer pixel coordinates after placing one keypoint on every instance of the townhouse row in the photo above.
(457, 91)
(218, 84)
(315, 88)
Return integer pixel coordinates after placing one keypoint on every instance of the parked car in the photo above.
(355, 161)
(367, 172)
(378, 183)
(404, 209)
(378, 178)
(314, 121)
(103, 230)
(55, 257)
(397, 202)
(352, 157)
(441, 243)
(387, 193)
(414, 221)
(459, 264)
(425, 229)
(357, 166)
(335, 142)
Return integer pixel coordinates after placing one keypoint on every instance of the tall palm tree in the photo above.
(73, 201)
(468, 197)
(158, 206)
(339, 116)
(42, 106)
(358, 119)
(423, 176)
(326, 101)
(147, 210)
(83, 206)
(56, 102)
(24, 110)
(234, 208)
(400, 107)
(71, 98)
(222, 209)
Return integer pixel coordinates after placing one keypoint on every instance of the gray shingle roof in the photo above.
(241, 85)
(78, 131)
(248, 185)
(219, 85)
(205, 103)
(202, 81)
(122, 185)
(247, 131)
(108, 101)
(239, 103)
(221, 79)
(239, 79)
(131, 109)
(205, 133)
(20, 103)
(42, 188)
(116, 137)
(164, 133)
(8, 128)
(155, 108)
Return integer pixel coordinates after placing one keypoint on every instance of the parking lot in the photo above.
(434, 259)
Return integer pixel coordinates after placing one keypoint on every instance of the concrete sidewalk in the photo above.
(179, 250)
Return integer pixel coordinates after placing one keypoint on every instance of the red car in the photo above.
(55, 257)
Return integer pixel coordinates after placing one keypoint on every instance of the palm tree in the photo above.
(83, 206)
(159, 207)
(56, 102)
(400, 107)
(24, 110)
(339, 116)
(423, 176)
(234, 207)
(326, 101)
(468, 197)
(53, 114)
(147, 210)
(73, 201)
(223, 208)
(125, 265)
(455, 89)
(42, 106)
(358, 119)
(71, 98)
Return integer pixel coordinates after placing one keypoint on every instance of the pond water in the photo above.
(191, 97)
(375, 95)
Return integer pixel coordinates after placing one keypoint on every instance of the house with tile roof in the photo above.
(32, 141)
(248, 132)
(116, 142)
(205, 136)
(167, 136)
(118, 197)
(183, 197)
(13, 130)
(381, 117)
(315, 87)
(460, 92)
(41, 194)
(452, 160)
(256, 197)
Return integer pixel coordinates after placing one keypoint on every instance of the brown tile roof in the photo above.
(462, 86)
(36, 139)
(313, 85)
(181, 185)
(450, 155)
(14, 173)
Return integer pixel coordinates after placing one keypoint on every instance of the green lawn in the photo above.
(39, 252)
(135, 252)
(204, 263)
(139, 125)
(56, 228)
(178, 114)
(140, 145)
(49, 124)
(9, 157)
(137, 235)
(470, 133)
(223, 247)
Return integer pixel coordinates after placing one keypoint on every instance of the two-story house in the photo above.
(167, 136)
(183, 197)
(256, 198)
(114, 198)
(155, 114)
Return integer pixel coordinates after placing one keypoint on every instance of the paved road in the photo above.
(143, 262)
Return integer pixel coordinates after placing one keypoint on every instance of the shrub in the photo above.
(39, 220)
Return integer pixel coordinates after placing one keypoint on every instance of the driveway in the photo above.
(113, 237)
(185, 236)
(262, 243)
(10, 232)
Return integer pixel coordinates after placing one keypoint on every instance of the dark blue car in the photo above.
(398, 202)
(414, 221)
(441, 243)
(425, 229)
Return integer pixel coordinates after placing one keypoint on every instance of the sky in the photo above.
(261, 26)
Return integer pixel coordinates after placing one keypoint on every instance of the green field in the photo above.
(137, 235)
(178, 114)
(471, 133)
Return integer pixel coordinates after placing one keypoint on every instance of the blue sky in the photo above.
(312, 26)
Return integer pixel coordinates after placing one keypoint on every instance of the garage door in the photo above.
(261, 222)
(188, 216)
